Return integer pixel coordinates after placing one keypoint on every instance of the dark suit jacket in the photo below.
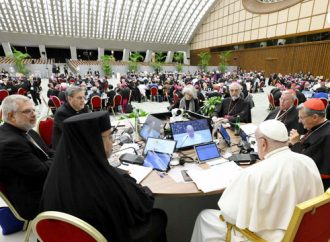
(64, 112)
(23, 169)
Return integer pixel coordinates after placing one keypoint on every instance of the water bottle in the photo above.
(237, 125)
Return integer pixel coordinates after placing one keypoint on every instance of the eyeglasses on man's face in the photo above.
(27, 111)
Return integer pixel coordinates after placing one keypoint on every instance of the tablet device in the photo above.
(224, 134)
(190, 133)
(158, 161)
(151, 128)
(160, 145)
(207, 152)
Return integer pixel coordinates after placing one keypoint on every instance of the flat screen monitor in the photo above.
(160, 145)
(190, 133)
(151, 128)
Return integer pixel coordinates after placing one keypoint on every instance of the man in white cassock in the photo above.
(263, 196)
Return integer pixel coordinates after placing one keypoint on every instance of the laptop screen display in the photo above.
(161, 145)
(190, 133)
(207, 152)
(151, 128)
(224, 134)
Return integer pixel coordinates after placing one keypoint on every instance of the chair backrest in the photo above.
(295, 102)
(271, 100)
(96, 103)
(21, 91)
(117, 100)
(3, 94)
(154, 91)
(45, 129)
(310, 220)
(53, 226)
(175, 98)
(11, 207)
(56, 101)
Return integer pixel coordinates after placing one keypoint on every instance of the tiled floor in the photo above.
(259, 112)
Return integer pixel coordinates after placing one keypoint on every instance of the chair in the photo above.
(96, 103)
(154, 93)
(176, 98)
(21, 91)
(26, 223)
(56, 101)
(308, 222)
(295, 102)
(53, 226)
(3, 94)
(45, 129)
(117, 99)
(271, 101)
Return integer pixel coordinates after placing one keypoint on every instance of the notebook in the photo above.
(190, 133)
(224, 134)
(209, 153)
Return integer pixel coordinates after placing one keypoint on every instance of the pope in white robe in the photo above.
(263, 197)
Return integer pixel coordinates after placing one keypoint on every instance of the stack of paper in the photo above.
(136, 171)
(217, 177)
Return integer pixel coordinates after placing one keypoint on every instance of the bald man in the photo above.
(233, 106)
(254, 200)
(191, 138)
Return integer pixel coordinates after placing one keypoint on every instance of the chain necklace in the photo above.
(304, 137)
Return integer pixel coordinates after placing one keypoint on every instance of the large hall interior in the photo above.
(156, 65)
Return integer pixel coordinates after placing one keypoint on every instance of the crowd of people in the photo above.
(291, 144)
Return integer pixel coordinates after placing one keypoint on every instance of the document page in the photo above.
(216, 177)
(136, 171)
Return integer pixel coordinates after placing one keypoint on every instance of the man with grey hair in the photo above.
(75, 104)
(287, 112)
(254, 199)
(233, 106)
(24, 157)
(316, 142)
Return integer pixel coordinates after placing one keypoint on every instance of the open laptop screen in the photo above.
(207, 152)
(151, 128)
(190, 133)
(161, 145)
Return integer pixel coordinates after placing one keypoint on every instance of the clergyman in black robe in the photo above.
(82, 183)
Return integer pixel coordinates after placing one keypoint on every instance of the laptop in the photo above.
(190, 133)
(224, 135)
(208, 153)
(159, 145)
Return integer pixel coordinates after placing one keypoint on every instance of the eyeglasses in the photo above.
(27, 111)
(233, 90)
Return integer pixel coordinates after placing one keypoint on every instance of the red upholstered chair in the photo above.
(53, 226)
(21, 91)
(309, 222)
(175, 98)
(96, 103)
(56, 101)
(45, 129)
(117, 102)
(271, 101)
(3, 94)
(296, 102)
(154, 93)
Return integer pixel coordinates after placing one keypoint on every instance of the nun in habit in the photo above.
(82, 183)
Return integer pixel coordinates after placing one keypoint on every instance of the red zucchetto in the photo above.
(316, 104)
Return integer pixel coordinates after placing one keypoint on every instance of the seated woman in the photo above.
(81, 182)
(189, 101)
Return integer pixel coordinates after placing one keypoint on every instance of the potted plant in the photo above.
(106, 64)
(224, 57)
(210, 104)
(178, 57)
(19, 57)
(133, 62)
(204, 60)
(159, 59)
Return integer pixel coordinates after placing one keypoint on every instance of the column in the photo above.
(169, 57)
(7, 48)
(42, 50)
(186, 58)
(73, 51)
(148, 56)
(126, 53)
(100, 52)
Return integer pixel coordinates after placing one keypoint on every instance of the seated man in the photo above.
(24, 157)
(233, 106)
(254, 200)
(286, 112)
(82, 183)
(191, 138)
(74, 105)
(316, 142)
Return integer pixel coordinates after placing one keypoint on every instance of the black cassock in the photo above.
(316, 145)
(232, 109)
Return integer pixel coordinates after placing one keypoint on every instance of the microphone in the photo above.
(184, 140)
